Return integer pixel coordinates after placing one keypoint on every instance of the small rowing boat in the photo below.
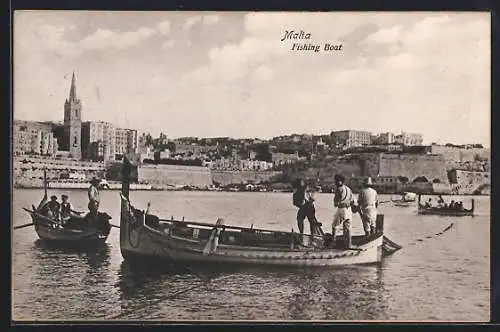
(147, 237)
(407, 199)
(445, 211)
(76, 231)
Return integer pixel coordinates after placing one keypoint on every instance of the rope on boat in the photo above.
(450, 226)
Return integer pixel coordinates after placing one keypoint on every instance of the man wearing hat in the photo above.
(368, 203)
(342, 200)
(51, 208)
(66, 209)
(93, 193)
(304, 201)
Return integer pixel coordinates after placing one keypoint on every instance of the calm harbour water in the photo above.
(433, 277)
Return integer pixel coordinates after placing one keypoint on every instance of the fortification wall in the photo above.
(174, 175)
(412, 166)
(325, 170)
(457, 154)
(233, 177)
(466, 182)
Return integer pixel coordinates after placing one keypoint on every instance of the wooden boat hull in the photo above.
(402, 203)
(436, 211)
(47, 230)
(448, 213)
(184, 241)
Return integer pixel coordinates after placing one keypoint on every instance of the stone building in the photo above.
(98, 138)
(126, 142)
(351, 138)
(408, 139)
(36, 138)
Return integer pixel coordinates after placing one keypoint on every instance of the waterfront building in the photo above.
(385, 138)
(126, 142)
(73, 123)
(161, 155)
(35, 138)
(408, 139)
(280, 158)
(254, 165)
(98, 138)
(29, 169)
(351, 138)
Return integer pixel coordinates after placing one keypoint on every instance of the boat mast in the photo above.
(126, 170)
(45, 182)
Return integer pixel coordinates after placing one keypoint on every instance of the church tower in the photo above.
(73, 121)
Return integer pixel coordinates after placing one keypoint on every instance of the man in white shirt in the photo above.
(93, 193)
(342, 200)
(368, 203)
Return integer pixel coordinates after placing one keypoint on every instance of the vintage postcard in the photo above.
(251, 166)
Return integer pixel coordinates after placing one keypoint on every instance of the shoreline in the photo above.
(230, 191)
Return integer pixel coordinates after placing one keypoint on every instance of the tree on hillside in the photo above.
(262, 152)
(420, 179)
(403, 179)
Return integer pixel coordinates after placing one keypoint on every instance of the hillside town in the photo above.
(73, 151)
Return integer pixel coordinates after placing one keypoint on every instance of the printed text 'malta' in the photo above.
(292, 34)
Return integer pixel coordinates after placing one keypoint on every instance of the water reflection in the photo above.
(432, 278)
(173, 292)
(95, 256)
(342, 293)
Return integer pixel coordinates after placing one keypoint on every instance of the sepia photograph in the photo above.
(180, 166)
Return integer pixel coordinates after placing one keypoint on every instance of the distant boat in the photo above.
(145, 236)
(407, 199)
(445, 211)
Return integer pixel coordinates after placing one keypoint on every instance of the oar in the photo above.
(25, 225)
(41, 216)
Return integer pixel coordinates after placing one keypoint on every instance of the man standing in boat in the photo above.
(303, 199)
(93, 193)
(342, 200)
(368, 203)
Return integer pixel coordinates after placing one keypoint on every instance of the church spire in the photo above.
(72, 91)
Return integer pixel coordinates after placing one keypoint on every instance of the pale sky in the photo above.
(228, 74)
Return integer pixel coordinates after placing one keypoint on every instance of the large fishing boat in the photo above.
(144, 236)
(445, 210)
(76, 231)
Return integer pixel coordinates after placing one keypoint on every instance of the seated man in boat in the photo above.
(51, 208)
(66, 209)
(368, 203)
(428, 204)
(440, 202)
(343, 200)
(303, 199)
